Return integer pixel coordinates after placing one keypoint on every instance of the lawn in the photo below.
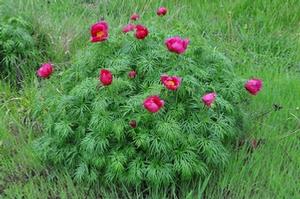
(261, 38)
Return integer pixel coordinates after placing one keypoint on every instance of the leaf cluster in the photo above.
(86, 125)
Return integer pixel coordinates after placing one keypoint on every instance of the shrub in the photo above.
(89, 128)
(22, 43)
(18, 53)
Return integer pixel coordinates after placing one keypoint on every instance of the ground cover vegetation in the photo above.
(141, 113)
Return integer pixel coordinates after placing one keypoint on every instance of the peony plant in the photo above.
(144, 121)
(19, 53)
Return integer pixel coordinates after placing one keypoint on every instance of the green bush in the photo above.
(86, 125)
(18, 53)
(23, 45)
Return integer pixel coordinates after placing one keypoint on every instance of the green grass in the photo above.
(260, 37)
(271, 170)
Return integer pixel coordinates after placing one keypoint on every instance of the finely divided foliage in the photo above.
(18, 50)
(88, 127)
(21, 46)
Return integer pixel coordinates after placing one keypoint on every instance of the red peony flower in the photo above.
(133, 124)
(170, 82)
(153, 104)
(105, 77)
(161, 11)
(209, 98)
(141, 32)
(132, 74)
(253, 86)
(99, 31)
(128, 28)
(134, 16)
(177, 45)
(45, 70)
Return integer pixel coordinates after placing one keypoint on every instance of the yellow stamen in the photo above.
(170, 83)
(100, 34)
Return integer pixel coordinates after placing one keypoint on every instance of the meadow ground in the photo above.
(261, 37)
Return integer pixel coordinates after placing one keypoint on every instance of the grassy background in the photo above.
(261, 37)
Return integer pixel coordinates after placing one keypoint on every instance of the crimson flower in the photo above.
(170, 82)
(141, 32)
(105, 77)
(161, 11)
(99, 31)
(134, 16)
(209, 98)
(153, 104)
(177, 44)
(132, 74)
(253, 86)
(128, 28)
(133, 124)
(45, 70)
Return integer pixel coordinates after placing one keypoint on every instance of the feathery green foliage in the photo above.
(86, 125)
(22, 46)
(261, 38)
(18, 53)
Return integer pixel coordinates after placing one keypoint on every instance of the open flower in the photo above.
(141, 32)
(99, 31)
(253, 86)
(105, 77)
(170, 82)
(161, 11)
(209, 98)
(45, 70)
(176, 44)
(132, 74)
(128, 28)
(153, 104)
(134, 16)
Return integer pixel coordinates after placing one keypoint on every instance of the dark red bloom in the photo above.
(141, 32)
(161, 11)
(134, 16)
(128, 28)
(132, 74)
(253, 86)
(99, 31)
(153, 104)
(45, 70)
(170, 82)
(133, 124)
(177, 45)
(105, 77)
